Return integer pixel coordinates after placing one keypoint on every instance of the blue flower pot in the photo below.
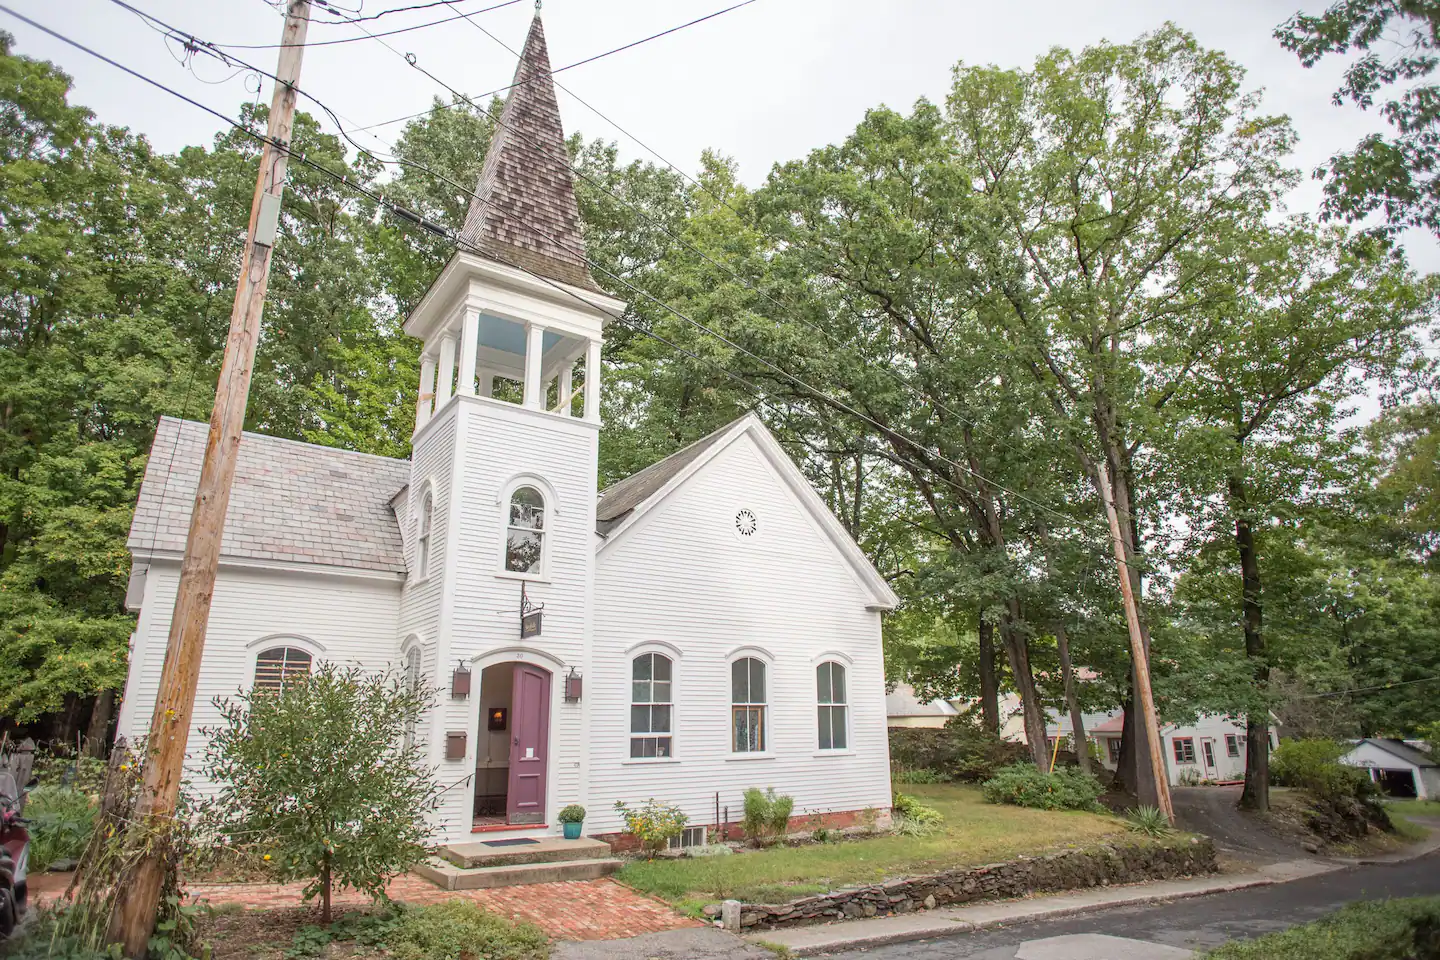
(572, 830)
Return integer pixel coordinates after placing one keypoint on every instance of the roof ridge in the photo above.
(299, 443)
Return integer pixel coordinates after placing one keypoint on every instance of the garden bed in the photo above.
(974, 833)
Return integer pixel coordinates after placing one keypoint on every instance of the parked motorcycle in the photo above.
(14, 853)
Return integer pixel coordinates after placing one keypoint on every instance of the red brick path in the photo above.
(568, 910)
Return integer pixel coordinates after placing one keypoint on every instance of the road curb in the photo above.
(931, 923)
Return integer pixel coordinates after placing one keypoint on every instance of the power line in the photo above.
(445, 233)
(387, 33)
(1352, 692)
(569, 66)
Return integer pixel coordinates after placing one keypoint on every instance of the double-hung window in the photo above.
(525, 532)
(747, 705)
(831, 705)
(652, 705)
(424, 535)
(1184, 749)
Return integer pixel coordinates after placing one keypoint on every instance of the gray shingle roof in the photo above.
(524, 212)
(1403, 751)
(291, 501)
(620, 498)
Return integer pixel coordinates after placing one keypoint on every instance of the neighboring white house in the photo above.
(1212, 748)
(701, 627)
(904, 709)
(1400, 769)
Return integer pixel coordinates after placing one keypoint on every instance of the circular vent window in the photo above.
(745, 523)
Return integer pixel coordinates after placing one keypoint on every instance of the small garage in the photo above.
(1398, 769)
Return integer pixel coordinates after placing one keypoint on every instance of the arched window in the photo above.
(412, 681)
(422, 540)
(651, 705)
(275, 666)
(747, 705)
(525, 533)
(830, 696)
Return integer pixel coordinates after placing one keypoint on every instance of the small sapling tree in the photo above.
(323, 775)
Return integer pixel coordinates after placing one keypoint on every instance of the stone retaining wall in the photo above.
(1070, 870)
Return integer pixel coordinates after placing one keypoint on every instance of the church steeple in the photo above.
(524, 211)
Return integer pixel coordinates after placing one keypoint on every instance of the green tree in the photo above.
(1395, 42)
(326, 775)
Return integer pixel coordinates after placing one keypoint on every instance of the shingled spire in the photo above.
(524, 211)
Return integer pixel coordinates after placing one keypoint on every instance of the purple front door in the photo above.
(529, 743)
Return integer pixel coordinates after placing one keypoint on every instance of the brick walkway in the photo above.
(569, 910)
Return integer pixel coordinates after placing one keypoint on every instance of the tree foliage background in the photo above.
(950, 319)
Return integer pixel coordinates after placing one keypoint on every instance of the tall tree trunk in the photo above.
(1077, 721)
(1018, 654)
(1256, 795)
(989, 686)
(325, 890)
(97, 734)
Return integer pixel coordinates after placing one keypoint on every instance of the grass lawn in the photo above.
(1414, 808)
(974, 832)
(1360, 931)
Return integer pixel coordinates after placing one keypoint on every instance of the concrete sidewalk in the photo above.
(943, 921)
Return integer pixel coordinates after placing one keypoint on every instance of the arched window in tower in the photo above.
(413, 684)
(276, 666)
(525, 533)
(422, 540)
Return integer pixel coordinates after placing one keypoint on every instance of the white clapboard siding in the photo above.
(503, 444)
(683, 577)
(348, 619)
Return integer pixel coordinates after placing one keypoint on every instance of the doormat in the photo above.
(513, 842)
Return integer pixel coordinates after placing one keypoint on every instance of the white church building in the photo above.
(701, 627)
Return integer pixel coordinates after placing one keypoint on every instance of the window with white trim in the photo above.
(276, 666)
(1232, 745)
(423, 534)
(525, 531)
(412, 682)
(831, 705)
(652, 705)
(747, 705)
(688, 837)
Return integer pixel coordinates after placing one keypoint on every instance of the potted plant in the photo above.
(572, 817)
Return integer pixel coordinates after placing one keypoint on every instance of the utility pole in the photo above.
(138, 895)
(1138, 653)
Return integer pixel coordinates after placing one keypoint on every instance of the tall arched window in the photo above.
(651, 705)
(747, 705)
(422, 540)
(412, 681)
(277, 665)
(525, 532)
(830, 696)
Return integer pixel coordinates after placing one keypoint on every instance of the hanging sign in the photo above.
(530, 616)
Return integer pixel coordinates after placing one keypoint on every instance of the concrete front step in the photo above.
(448, 876)
(545, 850)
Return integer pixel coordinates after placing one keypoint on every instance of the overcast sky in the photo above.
(763, 84)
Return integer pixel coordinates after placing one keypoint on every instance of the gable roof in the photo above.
(632, 498)
(291, 501)
(902, 702)
(524, 212)
(1402, 751)
(618, 500)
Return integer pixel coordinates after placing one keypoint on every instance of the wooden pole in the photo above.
(1137, 650)
(138, 896)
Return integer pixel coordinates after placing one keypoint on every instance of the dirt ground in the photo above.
(1214, 811)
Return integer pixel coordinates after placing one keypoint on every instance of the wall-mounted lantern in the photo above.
(455, 746)
(460, 682)
(574, 686)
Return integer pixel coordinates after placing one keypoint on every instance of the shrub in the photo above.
(1149, 821)
(1023, 785)
(653, 824)
(961, 752)
(921, 775)
(913, 818)
(1368, 930)
(61, 821)
(1314, 765)
(459, 928)
(766, 812)
(574, 813)
(323, 776)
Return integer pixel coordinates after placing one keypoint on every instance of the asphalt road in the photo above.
(1198, 923)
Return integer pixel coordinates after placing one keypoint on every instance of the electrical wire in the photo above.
(453, 238)
(387, 33)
